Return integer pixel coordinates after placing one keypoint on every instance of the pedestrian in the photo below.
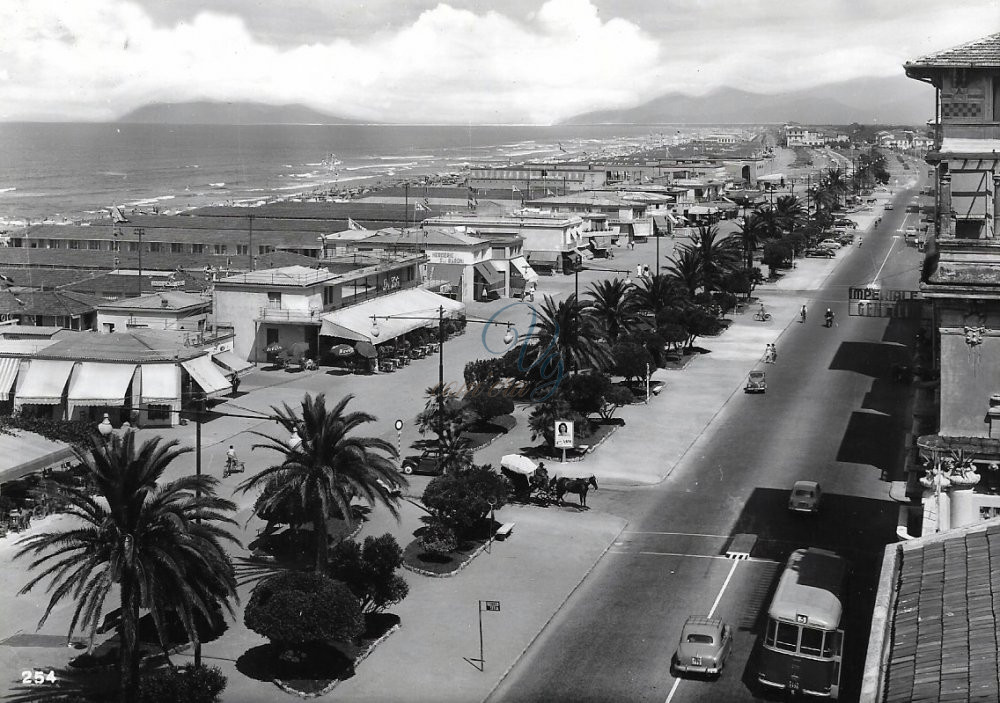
(772, 354)
(645, 270)
(638, 270)
(236, 385)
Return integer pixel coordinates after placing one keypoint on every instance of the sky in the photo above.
(454, 62)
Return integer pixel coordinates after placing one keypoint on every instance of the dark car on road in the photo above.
(705, 645)
(427, 463)
(821, 253)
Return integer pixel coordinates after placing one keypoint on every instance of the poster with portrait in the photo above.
(564, 434)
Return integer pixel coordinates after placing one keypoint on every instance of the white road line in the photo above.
(678, 534)
(885, 261)
(718, 598)
(755, 560)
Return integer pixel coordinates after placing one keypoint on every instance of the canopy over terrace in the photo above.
(44, 383)
(105, 385)
(397, 314)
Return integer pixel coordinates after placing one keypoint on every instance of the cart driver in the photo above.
(541, 475)
(231, 460)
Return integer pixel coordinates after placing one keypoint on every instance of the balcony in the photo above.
(289, 316)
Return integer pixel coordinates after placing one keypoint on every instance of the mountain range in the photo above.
(894, 100)
(236, 113)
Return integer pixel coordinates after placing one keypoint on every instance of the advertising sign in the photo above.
(564, 434)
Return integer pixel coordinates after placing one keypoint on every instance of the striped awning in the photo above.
(100, 384)
(44, 382)
(9, 367)
(208, 376)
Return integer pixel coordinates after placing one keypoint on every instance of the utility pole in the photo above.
(250, 243)
(139, 231)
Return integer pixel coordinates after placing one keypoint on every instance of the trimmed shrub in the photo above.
(370, 571)
(438, 538)
(186, 684)
(460, 500)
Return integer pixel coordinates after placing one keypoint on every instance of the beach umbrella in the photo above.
(366, 350)
(342, 350)
(274, 348)
(518, 463)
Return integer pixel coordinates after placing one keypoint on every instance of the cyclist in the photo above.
(231, 460)
(802, 313)
(829, 317)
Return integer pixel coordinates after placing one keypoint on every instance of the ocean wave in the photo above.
(151, 201)
(7, 190)
(220, 184)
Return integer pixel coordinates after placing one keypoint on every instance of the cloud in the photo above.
(532, 61)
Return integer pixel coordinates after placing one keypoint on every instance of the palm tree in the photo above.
(684, 268)
(323, 468)
(835, 181)
(613, 306)
(750, 233)
(565, 330)
(655, 294)
(769, 222)
(790, 212)
(159, 542)
(717, 255)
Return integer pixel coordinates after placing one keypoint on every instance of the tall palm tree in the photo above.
(684, 269)
(717, 253)
(750, 234)
(835, 181)
(565, 330)
(790, 212)
(654, 294)
(325, 468)
(160, 543)
(769, 223)
(613, 306)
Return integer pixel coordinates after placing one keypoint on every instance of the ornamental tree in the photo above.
(461, 499)
(370, 571)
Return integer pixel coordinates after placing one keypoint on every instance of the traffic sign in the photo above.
(493, 605)
(399, 425)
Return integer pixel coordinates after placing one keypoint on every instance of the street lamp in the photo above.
(507, 339)
(105, 427)
(577, 269)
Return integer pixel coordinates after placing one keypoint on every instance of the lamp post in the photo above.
(375, 332)
(105, 427)
(577, 269)
(139, 232)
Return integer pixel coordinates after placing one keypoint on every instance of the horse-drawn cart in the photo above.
(529, 481)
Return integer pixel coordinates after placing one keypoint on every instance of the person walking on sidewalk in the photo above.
(770, 354)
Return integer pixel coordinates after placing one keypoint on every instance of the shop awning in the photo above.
(493, 276)
(355, 322)
(8, 373)
(231, 364)
(44, 382)
(161, 383)
(585, 254)
(544, 258)
(521, 266)
(100, 384)
(208, 376)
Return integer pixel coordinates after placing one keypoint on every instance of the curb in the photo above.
(555, 612)
(461, 567)
(336, 682)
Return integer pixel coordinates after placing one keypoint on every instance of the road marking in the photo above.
(756, 560)
(885, 261)
(718, 599)
(677, 534)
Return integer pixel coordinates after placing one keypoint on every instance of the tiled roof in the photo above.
(175, 300)
(70, 259)
(51, 302)
(358, 210)
(284, 276)
(943, 643)
(121, 346)
(979, 52)
(430, 236)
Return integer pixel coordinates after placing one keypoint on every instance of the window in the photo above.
(93, 245)
(787, 637)
(831, 645)
(74, 244)
(155, 247)
(812, 641)
(220, 248)
(197, 248)
(242, 249)
(133, 246)
(158, 412)
(176, 248)
(274, 301)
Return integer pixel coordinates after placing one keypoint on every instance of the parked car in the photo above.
(424, 463)
(820, 253)
(846, 239)
(829, 244)
(705, 645)
(805, 497)
(910, 233)
(888, 206)
(844, 222)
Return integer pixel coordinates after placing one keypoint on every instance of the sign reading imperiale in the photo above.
(884, 302)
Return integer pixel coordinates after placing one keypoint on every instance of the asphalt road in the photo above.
(831, 413)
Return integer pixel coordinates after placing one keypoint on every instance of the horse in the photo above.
(580, 486)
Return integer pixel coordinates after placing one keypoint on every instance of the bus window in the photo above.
(772, 627)
(787, 637)
(812, 641)
(831, 647)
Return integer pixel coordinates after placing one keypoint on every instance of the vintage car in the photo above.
(805, 497)
(823, 253)
(755, 383)
(705, 645)
(427, 462)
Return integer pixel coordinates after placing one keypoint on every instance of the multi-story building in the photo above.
(961, 276)
(797, 135)
(627, 216)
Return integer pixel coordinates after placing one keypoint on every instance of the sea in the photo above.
(62, 173)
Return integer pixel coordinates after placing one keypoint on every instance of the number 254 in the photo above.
(37, 677)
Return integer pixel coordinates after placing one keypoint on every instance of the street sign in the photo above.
(399, 425)
(493, 605)
(879, 302)
(564, 434)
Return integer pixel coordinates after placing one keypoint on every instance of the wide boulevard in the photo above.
(831, 413)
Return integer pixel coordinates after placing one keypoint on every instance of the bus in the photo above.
(802, 646)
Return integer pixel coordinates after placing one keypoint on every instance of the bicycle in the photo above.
(762, 316)
(233, 467)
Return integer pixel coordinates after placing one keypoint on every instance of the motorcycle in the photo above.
(829, 319)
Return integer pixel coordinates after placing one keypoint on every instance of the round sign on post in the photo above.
(399, 436)
(399, 425)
